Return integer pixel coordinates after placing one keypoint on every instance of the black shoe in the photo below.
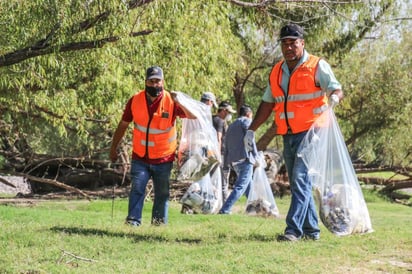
(287, 238)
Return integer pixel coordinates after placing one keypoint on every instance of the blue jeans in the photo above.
(302, 216)
(244, 172)
(141, 172)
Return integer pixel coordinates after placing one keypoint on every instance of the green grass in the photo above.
(384, 175)
(43, 237)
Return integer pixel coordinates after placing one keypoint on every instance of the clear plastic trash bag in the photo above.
(260, 201)
(342, 207)
(204, 196)
(198, 151)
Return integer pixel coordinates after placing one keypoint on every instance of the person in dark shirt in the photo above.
(237, 158)
(220, 123)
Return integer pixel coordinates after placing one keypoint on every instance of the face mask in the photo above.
(228, 117)
(154, 91)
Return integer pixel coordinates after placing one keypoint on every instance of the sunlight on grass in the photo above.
(91, 237)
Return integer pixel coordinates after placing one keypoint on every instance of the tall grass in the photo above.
(88, 237)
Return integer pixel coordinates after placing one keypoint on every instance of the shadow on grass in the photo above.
(159, 238)
(134, 236)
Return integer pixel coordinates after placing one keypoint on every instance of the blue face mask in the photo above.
(154, 91)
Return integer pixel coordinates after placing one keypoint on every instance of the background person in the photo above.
(237, 158)
(220, 123)
(153, 112)
(209, 99)
(298, 92)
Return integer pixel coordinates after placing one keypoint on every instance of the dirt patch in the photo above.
(13, 185)
(404, 265)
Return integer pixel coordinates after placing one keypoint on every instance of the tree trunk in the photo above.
(265, 140)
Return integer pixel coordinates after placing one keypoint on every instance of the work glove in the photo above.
(333, 100)
(249, 141)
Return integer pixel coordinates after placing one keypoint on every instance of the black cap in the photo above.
(226, 106)
(244, 110)
(154, 72)
(291, 31)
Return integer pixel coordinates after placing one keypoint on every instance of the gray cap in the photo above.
(209, 96)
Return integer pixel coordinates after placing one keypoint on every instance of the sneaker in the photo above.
(158, 222)
(287, 238)
(311, 237)
(132, 223)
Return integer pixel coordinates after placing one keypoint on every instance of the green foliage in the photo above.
(83, 92)
(196, 53)
(68, 103)
(376, 116)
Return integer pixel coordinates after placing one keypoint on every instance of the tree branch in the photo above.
(75, 256)
(266, 3)
(52, 182)
(4, 181)
(43, 47)
(34, 51)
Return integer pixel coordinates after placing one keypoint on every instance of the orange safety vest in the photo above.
(304, 102)
(155, 137)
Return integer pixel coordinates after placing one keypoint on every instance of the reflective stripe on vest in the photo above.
(291, 115)
(151, 130)
(300, 97)
(152, 144)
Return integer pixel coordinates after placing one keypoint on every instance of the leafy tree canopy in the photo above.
(68, 67)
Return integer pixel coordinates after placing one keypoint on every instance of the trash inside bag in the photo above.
(261, 201)
(203, 196)
(342, 207)
(198, 151)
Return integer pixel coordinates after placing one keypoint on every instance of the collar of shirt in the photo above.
(285, 68)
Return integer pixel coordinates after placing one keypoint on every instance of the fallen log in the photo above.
(374, 180)
(54, 183)
(396, 185)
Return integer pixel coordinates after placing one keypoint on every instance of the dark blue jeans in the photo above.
(141, 172)
(302, 216)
